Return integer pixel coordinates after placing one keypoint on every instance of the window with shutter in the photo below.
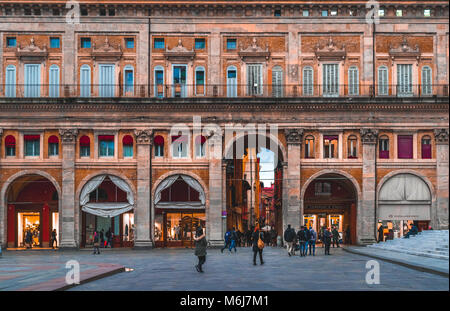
(426, 147)
(53, 88)
(383, 80)
(254, 79)
(32, 80)
(331, 80)
(353, 81)
(159, 81)
(231, 81)
(404, 80)
(106, 81)
(277, 82)
(405, 146)
(384, 147)
(10, 81)
(308, 81)
(426, 81)
(85, 81)
(128, 77)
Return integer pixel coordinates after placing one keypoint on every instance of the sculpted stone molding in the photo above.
(441, 136)
(369, 136)
(106, 51)
(179, 52)
(68, 136)
(31, 51)
(294, 135)
(330, 51)
(144, 136)
(405, 51)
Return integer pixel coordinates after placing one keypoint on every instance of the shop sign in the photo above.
(404, 212)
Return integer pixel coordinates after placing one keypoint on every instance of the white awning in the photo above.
(106, 209)
(166, 183)
(184, 205)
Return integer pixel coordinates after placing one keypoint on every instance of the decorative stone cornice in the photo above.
(369, 136)
(294, 136)
(441, 136)
(405, 51)
(107, 51)
(254, 51)
(330, 51)
(32, 51)
(179, 52)
(144, 137)
(68, 136)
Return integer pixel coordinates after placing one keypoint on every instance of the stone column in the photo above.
(292, 211)
(441, 137)
(67, 201)
(214, 224)
(142, 210)
(366, 209)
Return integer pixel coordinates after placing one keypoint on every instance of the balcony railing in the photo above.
(220, 90)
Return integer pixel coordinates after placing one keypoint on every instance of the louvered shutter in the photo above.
(382, 81)
(353, 81)
(426, 81)
(85, 87)
(106, 81)
(53, 90)
(330, 80)
(10, 81)
(308, 81)
(277, 82)
(32, 80)
(254, 79)
(404, 79)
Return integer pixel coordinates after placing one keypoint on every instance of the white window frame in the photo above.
(159, 68)
(53, 86)
(199, 69)
(85, 86)
(10, 86)
(427, 82)
(353, 81)
(308, 86)
(179, 155)
(232, 89)
(125, 91)
(383, 80)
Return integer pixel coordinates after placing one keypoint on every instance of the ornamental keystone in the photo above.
(294, 136)
(144, 136)
(68, 136)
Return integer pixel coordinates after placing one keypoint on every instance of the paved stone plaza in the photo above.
(173, 269)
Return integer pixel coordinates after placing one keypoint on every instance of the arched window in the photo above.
(426, 147)
(200, 146)
(127, 142)
(308, 81)
(180, 146)
(85, 81)
(85, 146)
(10, 146)
(200, 80)
(128, 80)
(159, 81)
(231, 81)
(309, 147)
(352, 142)
(277, 81)
(383, 80)
(10, 81)
(53, 146)
(353, 81)
(427, 85)
(53, 81)
(159, 146)
(384, 147)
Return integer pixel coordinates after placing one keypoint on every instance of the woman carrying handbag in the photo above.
(258, 245)
(200, 248)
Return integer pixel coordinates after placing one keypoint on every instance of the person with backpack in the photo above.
(312, 241)
(233, 239)
(258, 245)
(301, 236)
(227, 241)
(96, 243)
(289, 237)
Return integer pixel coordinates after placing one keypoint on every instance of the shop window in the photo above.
(179, 146)
(86, 43)
(426, 147)
(309, 147)
(32, 145)
(231, 44)
(106, 145)
(159, 146)
(129, 43)
(55, 43)
(330, 147)
(384, 147)
(200, 44)
(10, 146)
(322, 188)
(405, 146)
(200, 146)
(158, 43)
(11, 42)
(53, 146)
(85, 146)
(352, 147)
(127, 146)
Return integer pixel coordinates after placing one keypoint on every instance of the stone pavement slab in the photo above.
(431, 265)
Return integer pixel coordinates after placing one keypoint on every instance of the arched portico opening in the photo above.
(330, 200)
(32, 203)
(179, 202)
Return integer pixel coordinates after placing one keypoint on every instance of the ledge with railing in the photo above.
(220, 90)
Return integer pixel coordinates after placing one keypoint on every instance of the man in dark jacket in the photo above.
(335, 234)
(227, 242)
(327, 240)
(289, 237)
(380, 234)
(233, 239)
(256, 250)
(301, 236)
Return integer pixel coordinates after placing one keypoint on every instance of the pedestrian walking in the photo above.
(233, 238)
(335, 234)
(96, 243)
(200, 248)
(273, 236)
(227, 241)
(29, 239)
(53, 238)
(258, 245)
(108, 238)
(289, 237)
(380, 234)
(327, 240)
(301, 236)
(102, 238)
(312, 241)
(321, 236)
(308, 237)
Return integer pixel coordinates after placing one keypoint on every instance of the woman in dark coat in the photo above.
(256, 250)
(200, 248)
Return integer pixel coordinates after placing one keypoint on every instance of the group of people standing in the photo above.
(307, 239)
(102, 239)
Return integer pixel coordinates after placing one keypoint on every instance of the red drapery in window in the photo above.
(127, 140)
(200, 139)
(85, 141)
(10, 141)
(330, 137)
(53, 139)
(159, 140)
(405, 146)
(426, 151)
(106, 137)
(31, 137)
(384, 154)
(179, 139)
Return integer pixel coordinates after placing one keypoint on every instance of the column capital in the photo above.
(68, 136)
(144, 137)
(369, 136)
(440, 135)
(294, 136)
